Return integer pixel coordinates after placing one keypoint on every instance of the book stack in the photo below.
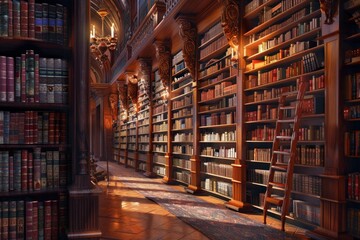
(27, 19)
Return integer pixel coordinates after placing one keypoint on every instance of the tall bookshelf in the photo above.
(35, 106)
(143, 116)
(181, 100)
(116, 140)
(351, 75)
(159, 124)
(122, 119)
(283, 48)
(132, 140)
(217, 87)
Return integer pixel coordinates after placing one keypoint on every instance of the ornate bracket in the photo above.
(188, 32)
(132, 88)
(145, 73)
(163, 55)
(122, 88)
(230, 21)
(113, 103)
(329, 8)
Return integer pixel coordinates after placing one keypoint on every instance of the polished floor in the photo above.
(126, 214)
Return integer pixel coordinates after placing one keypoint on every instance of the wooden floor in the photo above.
(126, 214)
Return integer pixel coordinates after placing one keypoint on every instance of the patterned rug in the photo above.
(216, 222)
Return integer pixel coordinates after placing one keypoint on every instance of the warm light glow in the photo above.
(93, 31)
(112, 30)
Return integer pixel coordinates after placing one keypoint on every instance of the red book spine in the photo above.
(35, 220)
(27, 127)
(63, 129)
(3, 79)
(16, 18)
(10, 19)
(34, 127)
(11, 173)
(30, 172)
(29, 220)
(54, 220)
(37, 168)
(10, 77)
(51, 127)
(23, 78)
(31, 18)
(47, 225)
(24, 19)
(24, 170)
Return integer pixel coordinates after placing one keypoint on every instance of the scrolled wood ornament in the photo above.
(329, 8)
(163, 55)
(187, 32)
(145, 73)
(230, 21)
(123, 96)
(132, 92)
(113, 103)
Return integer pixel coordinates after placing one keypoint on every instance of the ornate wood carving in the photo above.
(113, 103)
(329, 8)
(145, 73)
(132, 92)
(163, 55)
(187, 31)
(230, 21)
(122, 88)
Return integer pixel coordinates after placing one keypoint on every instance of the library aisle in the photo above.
(125, 213)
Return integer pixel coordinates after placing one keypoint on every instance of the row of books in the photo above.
(32, 127)
(221, 169)
(183, 176)
(352, 112)
(306, 211)
(144, 148)
(292, 33)
(353, 186)
(144, 139)
(269, 94)
(212, 32)
(270, 12)
(218, 152)
(159, 118)
(216, 136)
(27, 19)
(160, 137)
(160, 109)
(352, 86)
(187, 100)
(33, 79)
(310, 155)
(219, 90)
(214, 185)
(263, 112)
(213, 66)
(183, 137)
(182, 123)
(218, 119)
(159, 170)
(225, 102)
(352, 143)
(261, 133)
(183, 112)
(352, 55)
(215, 45)
(160, 127)
(26, 170)
(215, 79)
(183, 163)
(274, 27)
(183, 149)
(301, 183)
(31, 219)
(160, 148)
(157, 158)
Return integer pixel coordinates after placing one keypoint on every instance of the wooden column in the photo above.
(83, 195)
(188, 34)
(333, 182)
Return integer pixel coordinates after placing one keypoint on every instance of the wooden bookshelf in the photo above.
(181, 101)
(351, 116)
(36, 120)
(159, 124)
(275, 56)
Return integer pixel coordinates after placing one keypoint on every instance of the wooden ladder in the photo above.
(282, 160)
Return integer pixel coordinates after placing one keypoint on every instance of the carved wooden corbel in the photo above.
(163, 55)
(329, 8)
(145, 73)
(187, 31)
(122, 88)
(113, 103)
(132, 92)
(230, 21)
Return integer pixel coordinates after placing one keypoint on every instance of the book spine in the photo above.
(65, 26)
(30, 171)
(50, 69)
(20, 219)
(64, 80)
(11, 173)
(3, 81)
(37, 168)
(17, 79)
(43, 170)
(51, 131)
(4, 17)
(17, 170)
(16, 18)
(6, 127)
(37, 78)
(59, 24)
(47, 217)
(38, 20)
(45, 22)
(29, 220)
(10, 79)
(49, 169)
(24, 19)
(62, 169)
(24, 170)
(30, 75)
(54, 219)
(52, 23)
(41, 218)
(31, 18)
(42, 80)
(10, 19)
(12, 220)
(5, 220)
(35, 220)
(5, 173)
(57, 80)
(56, 173)
(23, 77)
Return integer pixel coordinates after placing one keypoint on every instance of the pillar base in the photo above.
(84, 209)
(238, 206)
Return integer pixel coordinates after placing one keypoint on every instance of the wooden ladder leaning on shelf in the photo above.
(282, 159)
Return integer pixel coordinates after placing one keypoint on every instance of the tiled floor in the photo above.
(126, 214)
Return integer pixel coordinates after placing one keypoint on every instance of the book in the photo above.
(38, 20)
(20, 219)
(24, 19)
(3, 80)
(10, 77)
(12, 220)
(16, 19)
(31, 18)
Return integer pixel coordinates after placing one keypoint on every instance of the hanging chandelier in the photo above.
(99, 45)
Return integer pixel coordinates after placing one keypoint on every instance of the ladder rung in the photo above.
(280, 167)
(275, 201)
(282, 152)
(278, 185)
(284, 137)
(287, 108)
(286, 120)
